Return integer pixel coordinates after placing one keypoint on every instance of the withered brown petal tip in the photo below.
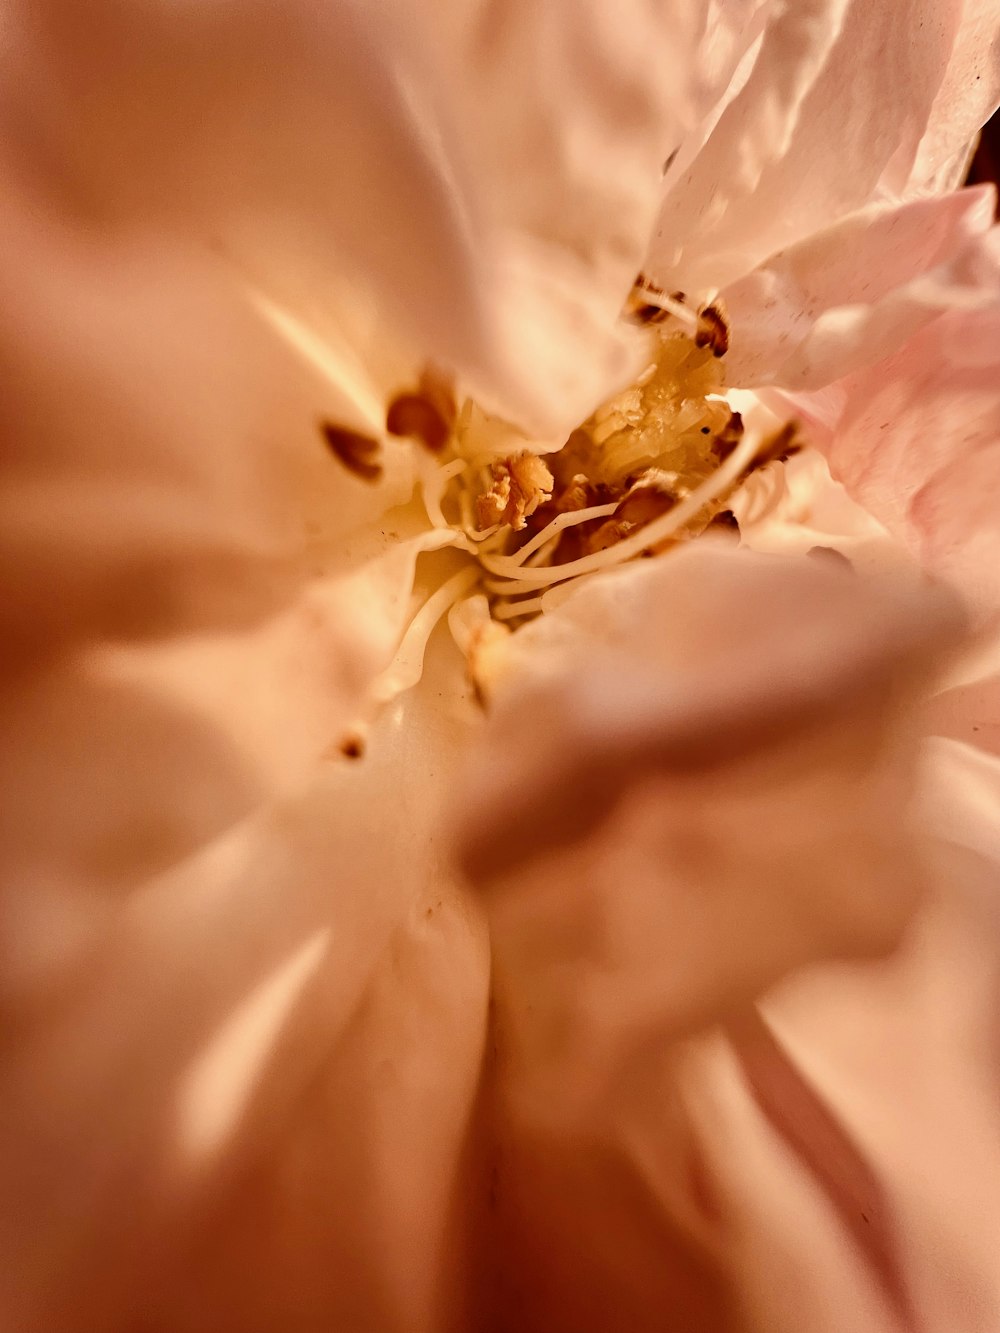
(357, 452)
(414, 416)
(713, 331)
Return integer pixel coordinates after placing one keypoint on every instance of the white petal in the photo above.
(832, 112)
(247, 1104)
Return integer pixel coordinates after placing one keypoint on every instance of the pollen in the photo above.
(518, 487)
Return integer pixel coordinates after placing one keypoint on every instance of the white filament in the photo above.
(407, 666)
(650, 535)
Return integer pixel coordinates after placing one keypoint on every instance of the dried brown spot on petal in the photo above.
(713, 330)
(519, 485)
(352, 747)
(358, 452)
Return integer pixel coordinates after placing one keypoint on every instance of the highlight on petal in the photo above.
(823, 124)
(851, 294)
(180, 549)
(300, 143)
(269, 1052)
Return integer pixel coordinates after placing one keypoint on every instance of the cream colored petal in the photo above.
(197, 591)
(744, 740)
(247, 1106)
(302, 144)
(663, 828)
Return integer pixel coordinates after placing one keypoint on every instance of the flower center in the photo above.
(652, 467)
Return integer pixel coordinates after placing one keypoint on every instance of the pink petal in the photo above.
(967, 97)
(850, 294)
(917, 445)
(832, 115)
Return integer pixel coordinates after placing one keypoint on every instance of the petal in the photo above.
(192, 581)
(966, 99)
(851, 294)
(718, 752)
(650, 861)
(237, 126)
(831, 115)
(917, 444)
(920, 1031)
(246, 1105)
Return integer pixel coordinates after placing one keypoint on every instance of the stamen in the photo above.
(433, 485)
(512, 610)
(501, 564)
(652, 535)
(407, 666)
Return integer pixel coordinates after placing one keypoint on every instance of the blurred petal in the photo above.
(193, 582)
(247, 1105)
(726, 803)
(237, 126)
(738, 742)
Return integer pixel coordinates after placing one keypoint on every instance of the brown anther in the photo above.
(640, 310)
(713, 330)
(357, 452)
(729, 437)
(648, 314)
(415, 416)
(725, 518)
(652, 495)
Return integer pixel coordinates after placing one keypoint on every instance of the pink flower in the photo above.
(659, 993)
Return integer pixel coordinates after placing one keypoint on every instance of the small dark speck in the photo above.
(352, 747)
(865, 1218)
(706, 430)
(429, 912)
